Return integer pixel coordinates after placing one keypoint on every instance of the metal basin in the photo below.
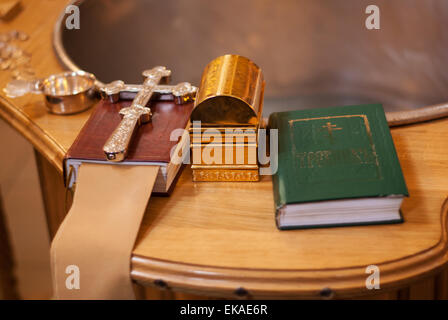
(313, 53)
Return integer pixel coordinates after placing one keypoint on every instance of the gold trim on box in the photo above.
(231, 155)
(219, 175)
(225, 166)
(222, 130)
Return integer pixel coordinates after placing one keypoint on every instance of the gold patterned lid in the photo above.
(230, 93)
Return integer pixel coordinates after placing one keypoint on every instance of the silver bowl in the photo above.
(69, 92)
(65, 93)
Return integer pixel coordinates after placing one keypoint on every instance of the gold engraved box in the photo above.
(225, 121)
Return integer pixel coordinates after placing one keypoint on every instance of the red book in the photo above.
(150, 145)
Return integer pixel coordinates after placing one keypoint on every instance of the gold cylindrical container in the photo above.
(228, 105)
(230, 93)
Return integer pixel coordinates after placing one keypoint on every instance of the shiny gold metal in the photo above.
(228, 107)
(230, 93)
(224, 154)
(236, 155)
(219, 175)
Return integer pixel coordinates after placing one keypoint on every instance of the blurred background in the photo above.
(313, 53)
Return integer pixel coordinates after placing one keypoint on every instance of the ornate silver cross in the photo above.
(116, 146)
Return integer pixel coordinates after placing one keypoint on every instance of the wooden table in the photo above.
(219, 239)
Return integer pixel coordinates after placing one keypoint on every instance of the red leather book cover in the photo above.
(151, 142)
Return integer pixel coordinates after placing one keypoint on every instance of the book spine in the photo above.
(386, 137)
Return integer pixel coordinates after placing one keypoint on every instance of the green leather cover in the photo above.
(335, 153)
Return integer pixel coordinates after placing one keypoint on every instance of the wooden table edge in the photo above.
(320, 283)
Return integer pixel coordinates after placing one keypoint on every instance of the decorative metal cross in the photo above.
(117, 145)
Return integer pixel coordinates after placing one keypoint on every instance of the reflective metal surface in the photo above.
(180, 93)
(313, 53)
(65, 93)
(69, 83)
(69, 92)
(116, 146)
(230, 93)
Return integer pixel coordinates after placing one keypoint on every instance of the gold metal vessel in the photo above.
(228, 108)
(230, 93)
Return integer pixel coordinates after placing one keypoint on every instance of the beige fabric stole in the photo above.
(91, 252)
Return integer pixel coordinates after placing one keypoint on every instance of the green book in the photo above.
(336, 167)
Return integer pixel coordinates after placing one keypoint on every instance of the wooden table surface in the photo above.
(220, 238)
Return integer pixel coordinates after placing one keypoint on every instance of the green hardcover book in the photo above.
(336, 167)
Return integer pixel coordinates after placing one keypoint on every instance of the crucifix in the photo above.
(117, 145)
(330, 127)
